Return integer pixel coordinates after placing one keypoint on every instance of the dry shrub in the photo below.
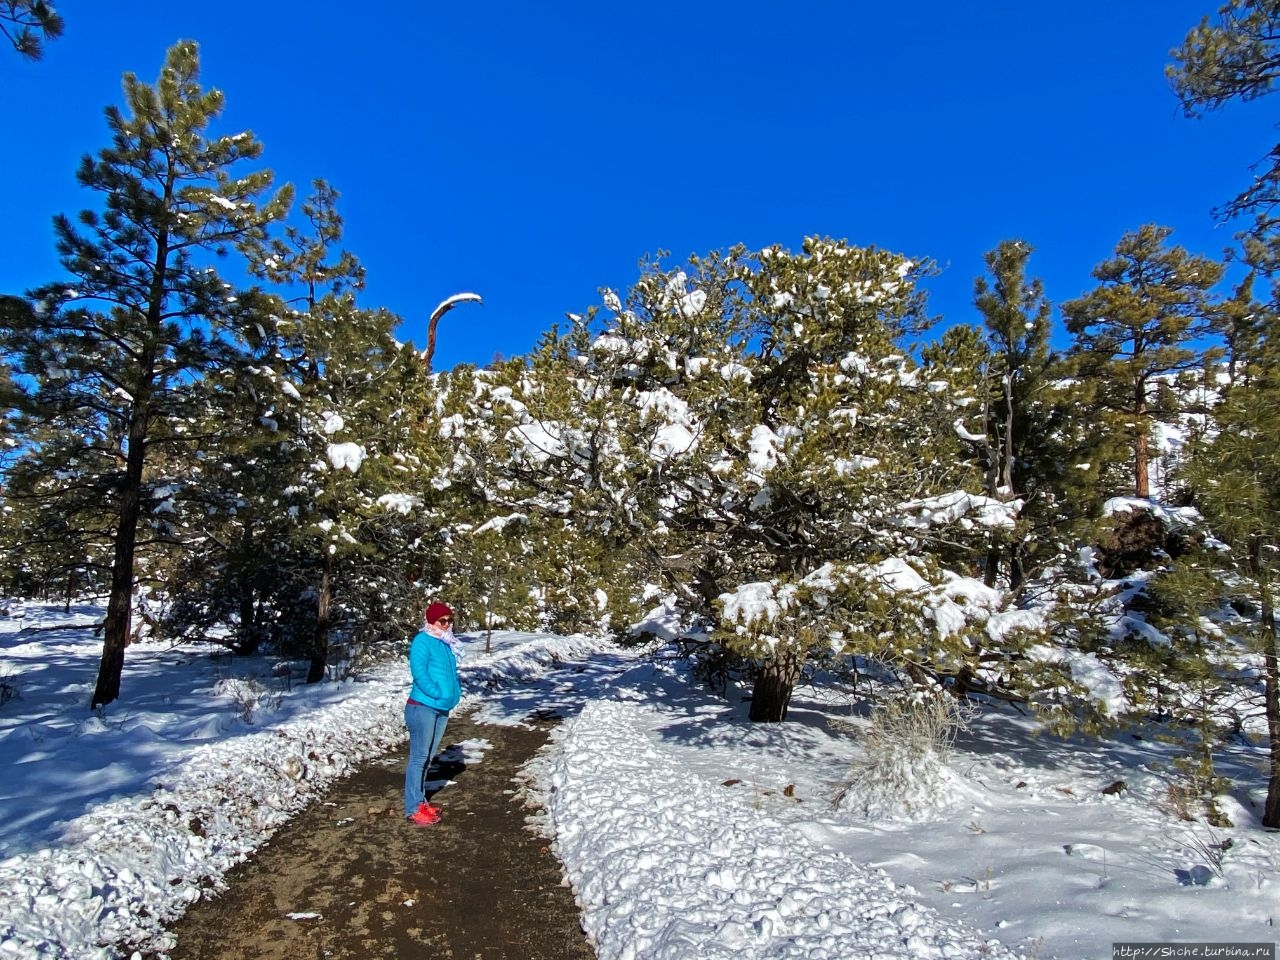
(9, 689)
(903, 772)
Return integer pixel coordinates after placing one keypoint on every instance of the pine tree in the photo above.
(744, 423)
(355, 426)
(1189, 681)
(1237, 58)
(340, 490)
(300, 526)
(1241, 322)
(230, 570)
(336, 361)
(526, 536)
(1017, 412)
(749, 422)
(1016, 314)
(115, 352)
(1137, 328)
(54, 526)
(1234, 476)
(28, 24)
(303, 256)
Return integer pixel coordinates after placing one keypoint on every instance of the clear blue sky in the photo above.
(532, 152)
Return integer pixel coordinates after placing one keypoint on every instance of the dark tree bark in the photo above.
(116, 628)
(1271, 671)
(1271, 812)
(324, 603)
(249, 636)
(1141, 446)
(773, 686)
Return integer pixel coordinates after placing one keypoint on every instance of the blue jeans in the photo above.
(426, 730)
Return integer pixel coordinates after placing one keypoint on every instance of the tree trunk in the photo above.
(1271, 810)
(247, 641)
(1017, 568)
(991, 573)
(1010, 424)
(324, 600)
(1271, 690)
(1142, 467)
(1271, 679)
(115, 633)
(1141, 449)
(772, 691)
(998, 461)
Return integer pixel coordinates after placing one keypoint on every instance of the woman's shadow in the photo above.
(447, 766)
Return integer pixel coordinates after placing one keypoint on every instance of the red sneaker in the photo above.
(425, 815)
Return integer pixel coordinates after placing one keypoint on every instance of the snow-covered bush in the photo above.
(248, 696)
(903, 771)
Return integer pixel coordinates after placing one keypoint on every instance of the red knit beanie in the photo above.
(438, 610)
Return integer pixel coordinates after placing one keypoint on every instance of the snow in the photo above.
(1090, 672)
(963, 432)
(346, 455)
(537, 442)
(97, 830)
(498, 524)
(673, 438)
(846, 466)
(752, 604)
(765, 450)
(685, 831)
(448, 303)
(1176, 518)
(402, 503)
(710, 870)
(966, 509)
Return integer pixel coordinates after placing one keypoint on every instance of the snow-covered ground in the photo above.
(685, 831)
(697, 827)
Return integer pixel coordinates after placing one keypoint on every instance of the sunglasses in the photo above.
(445, 620)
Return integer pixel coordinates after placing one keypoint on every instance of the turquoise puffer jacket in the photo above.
(435, 672)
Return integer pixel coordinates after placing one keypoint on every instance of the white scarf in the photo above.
(447, 636)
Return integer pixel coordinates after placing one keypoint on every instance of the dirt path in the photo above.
(349, 878)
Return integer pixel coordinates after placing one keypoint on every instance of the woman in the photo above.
(433, 662)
